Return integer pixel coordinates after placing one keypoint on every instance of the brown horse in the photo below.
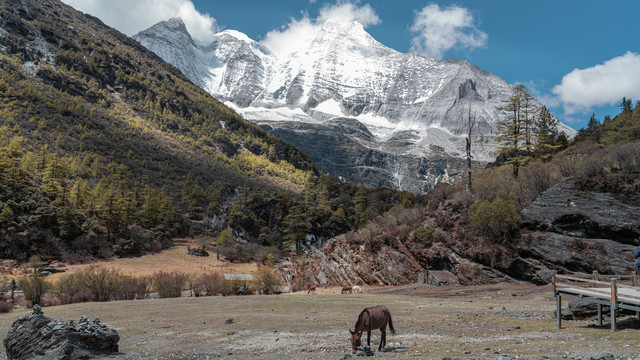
(346, 289)
(311, 290)
(372, 318)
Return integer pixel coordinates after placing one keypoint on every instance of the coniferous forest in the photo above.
(105, 149)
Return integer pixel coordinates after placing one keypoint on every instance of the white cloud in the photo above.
(603, 84)
(132, 16)
(440, 30)
(347, 11)
(294, 35)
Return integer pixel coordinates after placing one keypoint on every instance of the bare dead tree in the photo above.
(469, 127)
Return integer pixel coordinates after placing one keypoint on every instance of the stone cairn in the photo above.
(35, 336)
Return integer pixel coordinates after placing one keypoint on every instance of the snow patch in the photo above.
(330, 106)
(257, 113)
(236, 34)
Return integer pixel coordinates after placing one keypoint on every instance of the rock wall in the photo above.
(566, 228)
(340, 264)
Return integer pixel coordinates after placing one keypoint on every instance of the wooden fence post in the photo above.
(614, 303)
(554, 280)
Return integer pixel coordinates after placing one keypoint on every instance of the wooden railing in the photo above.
(613, 290)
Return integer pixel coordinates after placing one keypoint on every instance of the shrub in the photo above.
(5, 306)
(424, 234)
(101, 283)
(270, 259)
(133, 288)
(497, 220)
(410, 216)
(49, 299)
(267, 281)
(68, 287)
(169, 285)
(538, 177)
(35, 287)
(299, 283)
(495, 183)
(355, 238)
(374, 244)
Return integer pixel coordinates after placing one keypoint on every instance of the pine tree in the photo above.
(296, 228)
(528, 113)
(546, 132)
(224, 240)
(511, 130)
(11, 172)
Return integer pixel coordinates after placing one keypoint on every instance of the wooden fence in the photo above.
(615, 291)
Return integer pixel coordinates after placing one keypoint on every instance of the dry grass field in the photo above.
(173, 259)
(432, 323)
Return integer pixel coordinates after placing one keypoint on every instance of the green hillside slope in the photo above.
(105, 149)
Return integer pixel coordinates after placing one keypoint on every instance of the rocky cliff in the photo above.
(567, 228)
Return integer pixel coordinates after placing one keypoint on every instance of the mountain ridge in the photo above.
(343, 72)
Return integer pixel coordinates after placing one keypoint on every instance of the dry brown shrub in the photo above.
(133, 288)
(355, 238)
(5, 306)
(102, 283)
(411, 216)
(169, 284)
(50, 300)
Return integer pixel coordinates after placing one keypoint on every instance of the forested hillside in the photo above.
(105, 149)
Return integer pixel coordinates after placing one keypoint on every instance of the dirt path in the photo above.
(432, 323)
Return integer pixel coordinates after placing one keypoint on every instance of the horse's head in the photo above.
(355, 340)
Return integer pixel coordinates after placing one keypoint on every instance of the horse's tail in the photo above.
(393, 331)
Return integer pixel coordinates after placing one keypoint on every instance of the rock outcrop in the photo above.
(566, 209)
(37, 337)
(340, 263)
(566, 228)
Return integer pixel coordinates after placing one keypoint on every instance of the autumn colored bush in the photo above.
(266, 281)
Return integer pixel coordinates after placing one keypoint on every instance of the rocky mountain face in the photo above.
(566, 228)
(405, 115)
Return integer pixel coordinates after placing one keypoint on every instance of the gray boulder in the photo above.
(35, 336)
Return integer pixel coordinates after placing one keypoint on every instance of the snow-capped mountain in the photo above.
(363, 111)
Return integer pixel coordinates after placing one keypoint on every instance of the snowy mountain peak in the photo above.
(338, 81)
(236, 35)
(175, 22)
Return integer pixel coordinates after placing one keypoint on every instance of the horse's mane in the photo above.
(360, 317)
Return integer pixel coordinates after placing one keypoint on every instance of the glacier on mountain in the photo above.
(400, 118)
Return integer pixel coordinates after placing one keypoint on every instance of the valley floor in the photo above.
(479, 322)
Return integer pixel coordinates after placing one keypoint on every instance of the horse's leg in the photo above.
(383, 338)
(369, 337)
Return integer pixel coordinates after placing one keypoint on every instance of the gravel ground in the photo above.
(507, 321)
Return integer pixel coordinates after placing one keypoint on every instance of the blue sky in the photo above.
(576, 56)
